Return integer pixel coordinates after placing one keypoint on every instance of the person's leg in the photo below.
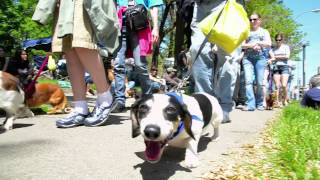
(225, 85)
(91, 61)
(202, 69)
(141, 64)
(120, 74)
(259, 73)
(76, 76)
(249, 77)
(276, 78)
(284, 83)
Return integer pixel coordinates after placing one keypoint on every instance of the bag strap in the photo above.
(188, 74)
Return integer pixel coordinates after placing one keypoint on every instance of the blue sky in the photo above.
(311, 26)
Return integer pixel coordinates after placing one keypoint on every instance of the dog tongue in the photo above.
(153, 149)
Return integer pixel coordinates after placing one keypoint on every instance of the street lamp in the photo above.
(313, 11)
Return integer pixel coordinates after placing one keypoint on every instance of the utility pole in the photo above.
(304, 45)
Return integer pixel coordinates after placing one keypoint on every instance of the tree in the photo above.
(16, 24)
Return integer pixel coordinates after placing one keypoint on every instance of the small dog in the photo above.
(48, 93)
(177, 120)
(12, 100)
(271, 100)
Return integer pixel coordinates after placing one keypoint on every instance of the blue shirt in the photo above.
(311, 98)
(146, 3)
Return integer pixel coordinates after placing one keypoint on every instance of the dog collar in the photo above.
(181, 126)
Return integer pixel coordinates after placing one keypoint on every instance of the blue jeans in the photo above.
(254, 71)
(210, 72)
(140, 69)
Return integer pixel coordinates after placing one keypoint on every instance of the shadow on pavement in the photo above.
(165, 168)
(21, 125)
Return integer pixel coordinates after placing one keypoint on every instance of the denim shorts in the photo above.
(281, 69)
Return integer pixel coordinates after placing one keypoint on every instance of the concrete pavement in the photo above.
(36, 149)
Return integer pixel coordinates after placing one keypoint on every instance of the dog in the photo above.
(176, 120)
(12, 99)
(48, 93)
(271, 100)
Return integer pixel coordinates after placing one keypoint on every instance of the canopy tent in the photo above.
(40, 44)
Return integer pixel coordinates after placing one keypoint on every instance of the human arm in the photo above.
(44, 10)
(154, 11)
(271, 57)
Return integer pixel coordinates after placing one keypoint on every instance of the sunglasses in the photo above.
(253, 19)
(278, 40)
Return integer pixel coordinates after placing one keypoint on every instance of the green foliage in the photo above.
(16, 24)
(278, 19)
(297, 133)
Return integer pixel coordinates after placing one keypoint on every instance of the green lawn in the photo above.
(295, 153)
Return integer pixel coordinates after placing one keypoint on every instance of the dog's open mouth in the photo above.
(153, 150)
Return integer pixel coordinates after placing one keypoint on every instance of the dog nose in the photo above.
(152, 131)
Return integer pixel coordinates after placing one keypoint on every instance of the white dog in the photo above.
(177, 120)
(12, 100)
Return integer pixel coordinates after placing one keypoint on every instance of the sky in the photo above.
(310, 22)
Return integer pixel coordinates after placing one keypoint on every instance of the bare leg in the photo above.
(91, 61)
(276, 78)
(76, 75)
(284, 82)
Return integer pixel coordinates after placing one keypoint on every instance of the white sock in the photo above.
(81, 107)
(104, 98)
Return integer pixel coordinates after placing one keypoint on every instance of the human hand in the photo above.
(256, 47)
(155, 35)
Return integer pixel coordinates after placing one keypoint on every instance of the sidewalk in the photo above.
(36, 149)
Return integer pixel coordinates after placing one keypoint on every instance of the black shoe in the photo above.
(118, 107)
(72, 120)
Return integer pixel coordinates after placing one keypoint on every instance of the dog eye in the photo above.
(171, 110)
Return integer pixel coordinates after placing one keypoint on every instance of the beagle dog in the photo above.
(176, 120)
(12, 100)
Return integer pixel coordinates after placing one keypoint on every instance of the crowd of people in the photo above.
(244, 77)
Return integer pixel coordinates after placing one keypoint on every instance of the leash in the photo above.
(30, 88)
(189, 72)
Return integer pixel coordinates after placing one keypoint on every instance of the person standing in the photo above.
(210, 72)
(254, 62)
(83, 29)
(281, 69)
(139, 42)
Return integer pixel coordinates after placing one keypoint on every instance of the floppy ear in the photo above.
(134, 119)
(187, 119)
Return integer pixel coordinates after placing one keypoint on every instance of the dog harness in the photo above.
(181, 124)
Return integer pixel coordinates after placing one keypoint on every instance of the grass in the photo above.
(44, 80)
(295, 153)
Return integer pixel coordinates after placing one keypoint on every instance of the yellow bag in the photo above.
(231, 29)
(51, 64)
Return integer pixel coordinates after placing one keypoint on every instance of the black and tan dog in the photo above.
(177, 120)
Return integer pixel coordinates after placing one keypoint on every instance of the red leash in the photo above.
(30, 89)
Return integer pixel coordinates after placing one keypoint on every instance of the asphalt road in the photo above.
(36, 149)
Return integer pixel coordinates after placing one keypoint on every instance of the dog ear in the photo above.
(134, 119)
(187, 119)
